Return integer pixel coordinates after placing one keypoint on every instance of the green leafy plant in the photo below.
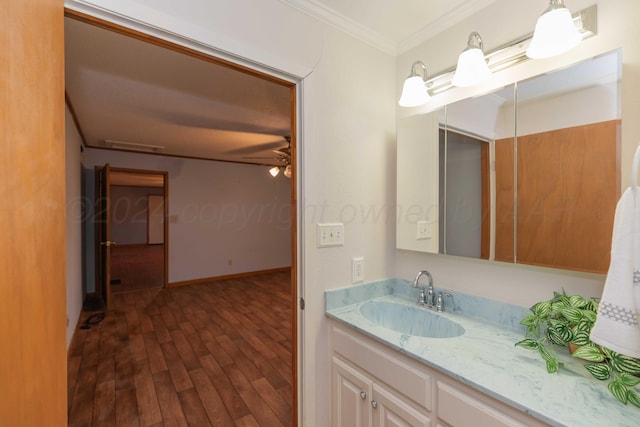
(564, 322)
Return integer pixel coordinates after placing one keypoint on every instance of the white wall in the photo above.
(74, 225)
(218, 212)
(505, 20)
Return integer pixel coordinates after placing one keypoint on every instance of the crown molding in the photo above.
(454, 16)
(329, 16)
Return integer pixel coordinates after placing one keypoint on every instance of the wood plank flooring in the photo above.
(214, 354)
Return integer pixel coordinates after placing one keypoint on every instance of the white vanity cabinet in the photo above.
(374, 388)
(374, 385)
(359, 401)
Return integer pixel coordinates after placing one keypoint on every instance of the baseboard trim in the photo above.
(226, 277)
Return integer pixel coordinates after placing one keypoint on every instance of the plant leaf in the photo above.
(626, 364)
(590, 315)
(581, 338)
(609, 354)
(533, 330)
(547, 355)
(600, 371)
(589, 352)
(584, 325)
(572, 314)
(629, 380)
(577, 301)
(633, 398)
(529, 320)
(561, 331)
(619, 390)
(542, 308)
(592, 305)
(552, 366)
(528, 343)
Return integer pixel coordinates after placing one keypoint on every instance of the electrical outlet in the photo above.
(330, 234)
(357, 270)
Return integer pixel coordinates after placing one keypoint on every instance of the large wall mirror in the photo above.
(529, 173)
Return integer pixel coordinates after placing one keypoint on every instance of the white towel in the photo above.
(616, 325)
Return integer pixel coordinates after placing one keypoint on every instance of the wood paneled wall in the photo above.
(32, 215)
(567, 190)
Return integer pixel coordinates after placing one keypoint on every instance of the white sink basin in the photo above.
(410, 320)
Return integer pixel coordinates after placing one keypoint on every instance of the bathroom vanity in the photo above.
(389, 369)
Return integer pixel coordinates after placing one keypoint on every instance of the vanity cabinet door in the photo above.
(390, 410)
(351, 396)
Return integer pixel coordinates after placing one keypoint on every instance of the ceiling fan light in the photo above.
(287, 171)
(274, 171)
(555, 32)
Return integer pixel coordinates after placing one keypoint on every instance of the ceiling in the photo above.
(131, 95)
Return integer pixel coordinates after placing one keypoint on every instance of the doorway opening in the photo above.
(213, 341)
(138, 226)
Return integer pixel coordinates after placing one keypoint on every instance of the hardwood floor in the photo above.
(213, 354)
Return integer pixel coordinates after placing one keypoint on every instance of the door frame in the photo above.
(157, 36)
(165, 194)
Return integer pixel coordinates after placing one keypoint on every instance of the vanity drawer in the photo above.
(403, 374)
(460, 406)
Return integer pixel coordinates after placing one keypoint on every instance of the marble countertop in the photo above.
(485, 357)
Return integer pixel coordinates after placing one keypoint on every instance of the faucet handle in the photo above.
(440, 302)
(422, 299)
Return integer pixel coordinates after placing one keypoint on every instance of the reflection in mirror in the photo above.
(558, 212)
(568, 165)
(469, 137)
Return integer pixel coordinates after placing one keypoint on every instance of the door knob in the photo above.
(363, 395)
(374, 404)
(108, 243)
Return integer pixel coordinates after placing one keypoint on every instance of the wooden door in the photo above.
(33, 367)
(155, 219)
(103, 235)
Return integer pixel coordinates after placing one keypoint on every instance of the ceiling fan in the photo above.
(282, 157)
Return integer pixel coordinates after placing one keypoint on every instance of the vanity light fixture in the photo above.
(414, 91)
(512, 53)
(472, 67)
(555, 32)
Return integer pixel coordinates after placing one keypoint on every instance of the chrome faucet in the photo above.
(428, 297)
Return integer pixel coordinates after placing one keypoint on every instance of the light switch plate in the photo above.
(423, 230)
(330, 234)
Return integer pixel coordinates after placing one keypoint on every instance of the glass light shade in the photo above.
(287, 171)
(472, 68)
(274, 171)
(555, 33)
(414, 92)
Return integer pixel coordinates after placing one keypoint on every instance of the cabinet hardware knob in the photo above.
(374, 404)
(363, 395)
